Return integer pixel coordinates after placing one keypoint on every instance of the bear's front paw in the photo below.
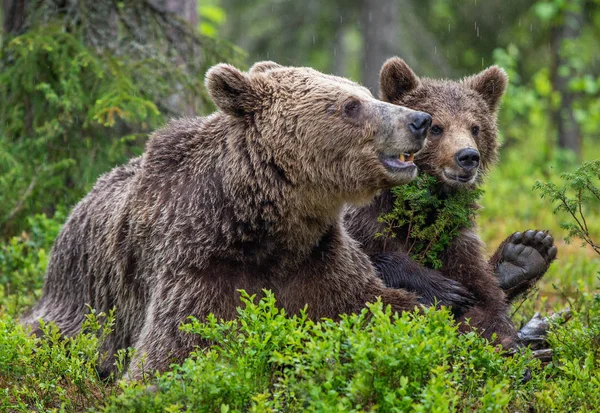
(524, 260)
(449, 293)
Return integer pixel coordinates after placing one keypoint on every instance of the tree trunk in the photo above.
(569, 133)
(187, 10)
(14, 15)
(184, 8)
(379, 20)
(340, 64)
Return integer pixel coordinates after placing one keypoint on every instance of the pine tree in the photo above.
(82, 82)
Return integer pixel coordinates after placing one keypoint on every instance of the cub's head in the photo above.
(463, 138)
(318, 132)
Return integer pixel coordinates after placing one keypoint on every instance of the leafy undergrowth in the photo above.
(53, 372)
(268, 361)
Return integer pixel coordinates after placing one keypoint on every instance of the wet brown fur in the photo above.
(456, 106)
(247, 198)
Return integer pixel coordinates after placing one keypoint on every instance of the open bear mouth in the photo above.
(398, 163)
(459, 178)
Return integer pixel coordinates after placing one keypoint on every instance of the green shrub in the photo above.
(23, 261)
(574, 375)
(268, 361)
(581, 190)
(52, 372)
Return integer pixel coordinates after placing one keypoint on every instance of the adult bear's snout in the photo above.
(419, 125)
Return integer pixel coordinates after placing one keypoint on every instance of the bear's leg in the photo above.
(340, 287)
(399, 271)
(176, 297)
(465, 262)
(161, 343)
(521, 260)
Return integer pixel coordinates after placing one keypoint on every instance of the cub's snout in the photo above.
(467, 159)
(464, 167)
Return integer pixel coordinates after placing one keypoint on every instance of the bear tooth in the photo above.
(411, 157)
(402, 157)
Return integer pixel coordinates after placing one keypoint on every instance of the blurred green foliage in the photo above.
(23, 261)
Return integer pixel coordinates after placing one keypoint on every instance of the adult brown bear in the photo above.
(461, 146)
(248, 198)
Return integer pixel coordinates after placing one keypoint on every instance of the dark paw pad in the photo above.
(525, 258)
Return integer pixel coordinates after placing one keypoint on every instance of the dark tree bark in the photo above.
(569, 133)
(184, 8)
(187, 10)
(379, 20)
(14, 15)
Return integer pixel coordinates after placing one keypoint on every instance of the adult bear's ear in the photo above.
(264, 66)
(231, 89)
(396, 79)
(490, 84)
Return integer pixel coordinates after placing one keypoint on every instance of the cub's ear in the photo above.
(396, 79)
(490, 84)
(231, 90)
(264, 66)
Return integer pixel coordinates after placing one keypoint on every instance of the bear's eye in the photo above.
(352, 108)
(436, 130)
(475, 130)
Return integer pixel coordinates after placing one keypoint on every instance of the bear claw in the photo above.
(533, 333)
(449, 293)
(525, 257)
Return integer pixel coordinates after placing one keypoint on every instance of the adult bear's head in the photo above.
(463, 138)
(319, 132)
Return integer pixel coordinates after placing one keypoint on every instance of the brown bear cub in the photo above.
(461, 146)
(250, 197)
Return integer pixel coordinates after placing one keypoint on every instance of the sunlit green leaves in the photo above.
(376, 361)
(580, 190)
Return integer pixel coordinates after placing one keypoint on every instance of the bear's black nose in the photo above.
(468, 158)
(419, 125)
